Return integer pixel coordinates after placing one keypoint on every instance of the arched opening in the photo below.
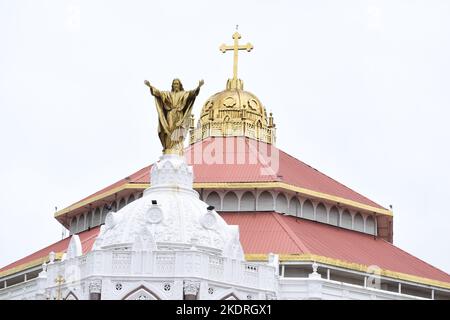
(333, 217)
(346, 221)
(370, 225)
(213, 199)
(281, 203)
(141, 293)
(248, 202)
(265, 201)
(106, 209)
(97, 217)
(230, 202)
(294, 207)
(80, 224)
(131, 198)
(321, 213)
(358, 223)
(121, 203)
(89, 220)
(308, 210)
(71, 296)
(73, 225)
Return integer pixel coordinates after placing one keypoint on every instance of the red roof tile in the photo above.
(240, 159)
(87, 239)
(266, 232)
(325, 240)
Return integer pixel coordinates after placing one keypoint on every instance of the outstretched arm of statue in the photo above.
(200, 83)
(153, 90)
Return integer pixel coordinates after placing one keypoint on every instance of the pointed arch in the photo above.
(230, 294)
(248, 202)
(230, 202)
(358, 222)
(122, 203)
(131, 198)
(346, 220)
(370, 225)
(213, 199)
(281, 203)
(71, 296)
(308, 210)
(141, 293)
(294, 207)
(97, 217)
(321, 213)
(265, 201)
(334, 216)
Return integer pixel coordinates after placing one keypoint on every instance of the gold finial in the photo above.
(236, 47)
(59, 281)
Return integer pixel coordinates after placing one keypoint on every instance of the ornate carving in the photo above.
(191, 287)
(208, 220)
(154, 214)
(95, 286)
(229, 102)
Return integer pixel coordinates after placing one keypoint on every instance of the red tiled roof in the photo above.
(87, 239)
(266, 232)
(231, 161)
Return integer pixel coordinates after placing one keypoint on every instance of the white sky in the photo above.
(359, 90)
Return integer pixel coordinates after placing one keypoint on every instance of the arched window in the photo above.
(308, 210)
(113, 206)
(89, 220)
(370, 225)
(106, 209)
(346, 221)
(358, 222)
(73, 225)
(97, 217)
(321, 213)
(213, 199)
(334, 216)
(131, 198)
(294, 207)
(265, 201)
(248, 202)
(281, 203)
(230, 202)
(121, 203)
(80, 224)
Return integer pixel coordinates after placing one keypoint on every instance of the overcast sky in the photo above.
(360, 90)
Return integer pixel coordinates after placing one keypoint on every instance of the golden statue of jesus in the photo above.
(174, 110)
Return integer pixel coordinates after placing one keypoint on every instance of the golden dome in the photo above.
(234, 112)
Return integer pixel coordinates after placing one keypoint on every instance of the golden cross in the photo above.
(236, 47)
(59, 281)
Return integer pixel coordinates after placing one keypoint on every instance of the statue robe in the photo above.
(174, 110)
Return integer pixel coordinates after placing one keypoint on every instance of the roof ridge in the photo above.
(299, 243)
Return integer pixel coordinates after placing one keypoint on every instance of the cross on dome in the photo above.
(235, 82)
